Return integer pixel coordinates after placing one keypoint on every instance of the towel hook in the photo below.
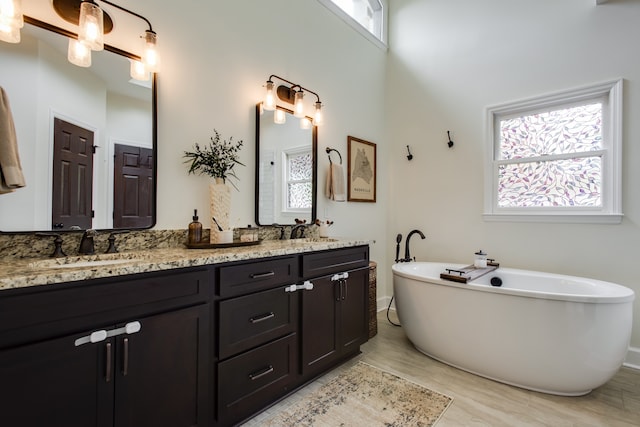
(329, 150)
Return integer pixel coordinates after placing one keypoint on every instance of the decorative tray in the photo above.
(207, 245)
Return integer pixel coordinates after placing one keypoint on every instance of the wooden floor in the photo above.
(481, 402)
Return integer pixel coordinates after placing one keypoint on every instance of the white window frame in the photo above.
(381, 42)
(610, 94)
(285, 180)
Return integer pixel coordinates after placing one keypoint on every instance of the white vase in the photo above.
(220, 203)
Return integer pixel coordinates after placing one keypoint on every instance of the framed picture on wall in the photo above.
(361, 172)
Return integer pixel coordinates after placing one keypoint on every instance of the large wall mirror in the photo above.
(286, 169)
(54, 102)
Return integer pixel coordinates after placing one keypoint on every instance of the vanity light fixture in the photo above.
(92, 23)
(11, 20)
(293, 94)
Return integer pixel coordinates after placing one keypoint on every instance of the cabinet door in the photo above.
(320, 344)
(354, 313)
(54, 383)
(162, 371)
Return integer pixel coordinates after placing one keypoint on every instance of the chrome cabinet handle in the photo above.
(262, 373)
(344, 284)
(262, 275)
(262, 317)
(108, 362)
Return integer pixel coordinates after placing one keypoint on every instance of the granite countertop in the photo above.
(37, 272)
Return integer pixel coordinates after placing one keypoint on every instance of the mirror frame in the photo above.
(314, 178)
(154, 130)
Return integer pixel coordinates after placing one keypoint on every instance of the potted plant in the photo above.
(217, 159)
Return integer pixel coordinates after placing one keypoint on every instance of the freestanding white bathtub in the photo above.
(545, 332)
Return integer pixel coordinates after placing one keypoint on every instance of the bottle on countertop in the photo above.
(195, 230)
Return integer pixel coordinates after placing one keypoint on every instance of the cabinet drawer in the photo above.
(45, 313)
(251, 320)
(334, 261)
(255, 276)
(254, 379)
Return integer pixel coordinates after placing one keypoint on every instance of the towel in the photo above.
(10, 170)
(335, 183)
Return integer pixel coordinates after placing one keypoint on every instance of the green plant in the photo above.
(216, 159)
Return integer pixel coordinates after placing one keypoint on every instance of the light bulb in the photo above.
(139, 71)
(91, 29)
(317, 118)
(279, 117)
(150, 56)
(298, 105)
(79, 53)
(11, 13)
(11, 20)
(269, 103)
(305, 123)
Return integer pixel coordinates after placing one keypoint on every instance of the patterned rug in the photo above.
(365, 396)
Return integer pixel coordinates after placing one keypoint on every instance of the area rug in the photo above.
(365, 396)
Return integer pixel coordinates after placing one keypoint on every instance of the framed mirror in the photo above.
(54, 105)
(286, 169)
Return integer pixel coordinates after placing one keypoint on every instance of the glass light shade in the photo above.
(279, 117)
(139, 71)
(269, 103)
(305, 123)
(91, 27)
(79, 53)
(298, 105)
(9, 34)
(317, 118)
(11, 14)
(150, 56)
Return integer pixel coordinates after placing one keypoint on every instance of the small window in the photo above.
(556, 157)
(298, 180)
(365, 16)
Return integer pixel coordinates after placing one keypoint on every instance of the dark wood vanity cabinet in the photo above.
(201, 346)
(149, 365)
(334, 319)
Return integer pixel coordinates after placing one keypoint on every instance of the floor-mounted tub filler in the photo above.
(545, 332)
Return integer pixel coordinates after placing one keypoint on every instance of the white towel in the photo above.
(334, 189)
(10, 170)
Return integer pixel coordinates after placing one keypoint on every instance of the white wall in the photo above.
(447, 62)
(216, 57)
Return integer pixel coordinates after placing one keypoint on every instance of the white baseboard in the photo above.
(633, 358)
(631, 361)
(383, 303)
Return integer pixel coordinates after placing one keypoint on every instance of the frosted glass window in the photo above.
(570, 182)
(298, 181)
(556, 156)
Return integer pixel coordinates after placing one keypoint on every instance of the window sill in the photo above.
(556, 218)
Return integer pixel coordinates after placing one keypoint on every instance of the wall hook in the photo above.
(450, 143)
(410, 156)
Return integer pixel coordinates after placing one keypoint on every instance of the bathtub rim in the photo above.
(626, 295)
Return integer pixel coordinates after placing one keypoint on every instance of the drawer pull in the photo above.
(262, 373)
(262, 317)
(107, 375)
(262, 275)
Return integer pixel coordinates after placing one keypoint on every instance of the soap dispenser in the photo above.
(195, 230)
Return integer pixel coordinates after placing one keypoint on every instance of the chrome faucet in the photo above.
(86, 242)
(407, 255)
(297, 232)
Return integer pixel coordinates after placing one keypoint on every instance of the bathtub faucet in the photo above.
(407, 255)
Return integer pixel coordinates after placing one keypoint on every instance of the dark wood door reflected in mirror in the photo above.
(119, 113)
